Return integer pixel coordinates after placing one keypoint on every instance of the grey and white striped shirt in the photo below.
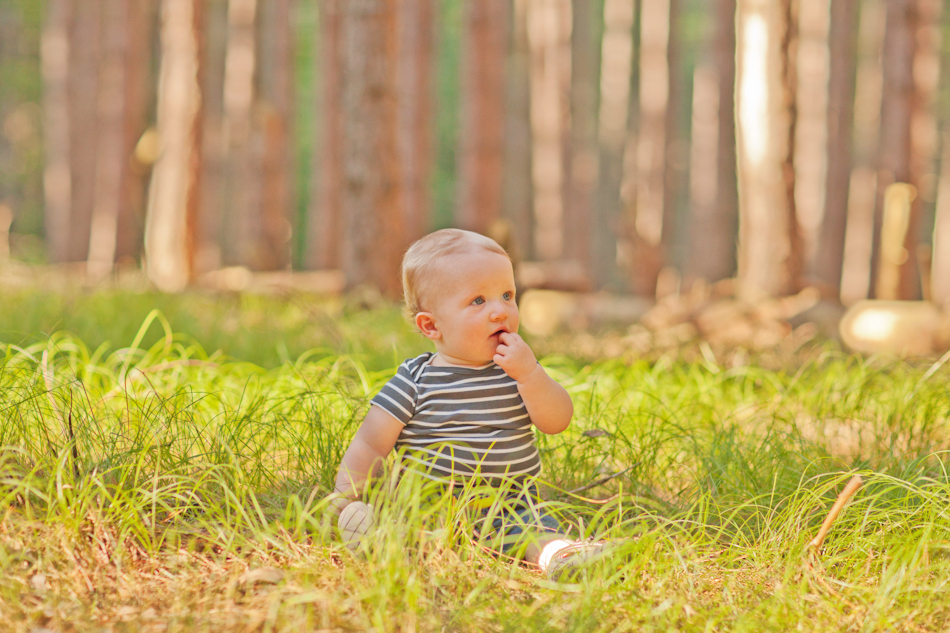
(461, 421)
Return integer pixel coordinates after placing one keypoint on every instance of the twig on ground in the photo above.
(842, 499)
(599, 482)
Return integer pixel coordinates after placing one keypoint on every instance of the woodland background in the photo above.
(788, 143)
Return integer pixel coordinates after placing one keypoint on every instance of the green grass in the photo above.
(141, 480)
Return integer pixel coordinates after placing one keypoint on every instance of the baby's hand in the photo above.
(515, 357)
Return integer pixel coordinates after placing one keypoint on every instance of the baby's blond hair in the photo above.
(421, 261)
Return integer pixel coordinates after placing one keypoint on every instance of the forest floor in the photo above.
(164, 471)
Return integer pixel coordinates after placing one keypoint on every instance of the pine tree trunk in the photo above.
(550, 76)
(617, 76)
(812, 59)
(650, 215)
(84, 130)
(372, 193)
(585, 61)
(111, 159)
(138, 97)
(243, 195)
(481, 144)
(517, 194)
(940, 272)
(207, 247)
(416, 68)
(326, 213)
(173, 190)
(769, 248)
(842, 39)
(924, 142)
(713, 156)
(895, 146)
(277, 93)
(788, 25)
(57, 173)
(859, 235)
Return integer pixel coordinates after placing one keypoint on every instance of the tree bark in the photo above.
(585, 62)
(139, 94)
(712, 252)
(207, 249)
(481, 143)
(57, 173)
(277, 95)
(788, 25)
(812, 60)
(924, 143)
(111, 159)
(940, 272)
(173, 190)
(372, 194)
(842, 39)
(326, 213)
(650, 212)
(518, 196)
(549, 79)
(615, 128)
(896, 145)
(416, 69)
(84, 110)
(239, 239)
(769, 247)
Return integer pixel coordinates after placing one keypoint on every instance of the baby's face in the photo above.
(474, 303)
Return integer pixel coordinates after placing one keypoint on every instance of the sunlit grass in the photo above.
(140, 483)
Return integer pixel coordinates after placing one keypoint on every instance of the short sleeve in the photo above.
(398, 396)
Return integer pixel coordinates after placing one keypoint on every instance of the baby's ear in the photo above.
(426, 324)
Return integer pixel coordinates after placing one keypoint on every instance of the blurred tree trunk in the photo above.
(518, 199)
(239, 237)
(582, 184)
(812, 63)
(326, 212)
(57, 175)
(859, 233)
(173, 193)
(214, 147)
(908, 132)
(769, 244)
(111, 158)
(372, 194)
(84, 130)
(712, 252)
(842, 39)
(615, 124)
(940, 272)
(481, 142)
(416, 69)
(795, 263)
(138, 87)
(277, 111)
(549, 28)
(925, 134)
(650, 215)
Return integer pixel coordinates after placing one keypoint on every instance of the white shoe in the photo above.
(569, 560)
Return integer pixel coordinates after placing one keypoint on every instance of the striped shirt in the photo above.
(461, 421)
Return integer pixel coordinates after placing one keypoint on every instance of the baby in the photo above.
(468, 409)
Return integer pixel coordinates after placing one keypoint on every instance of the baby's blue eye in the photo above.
(507, 296)
(479, 301)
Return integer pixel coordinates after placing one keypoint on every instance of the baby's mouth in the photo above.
(500, 331)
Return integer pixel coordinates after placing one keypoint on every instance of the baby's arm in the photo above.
(373, 441)
(548, 403)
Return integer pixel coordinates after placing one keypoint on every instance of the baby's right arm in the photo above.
(373, 441)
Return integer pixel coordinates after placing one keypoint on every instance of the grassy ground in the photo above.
(152, 484)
